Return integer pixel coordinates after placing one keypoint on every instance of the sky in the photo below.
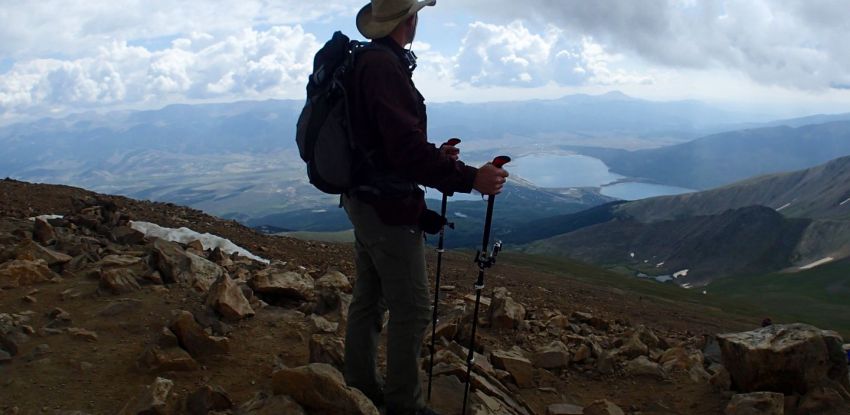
(785, 56)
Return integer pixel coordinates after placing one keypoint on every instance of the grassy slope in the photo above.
(820, 296)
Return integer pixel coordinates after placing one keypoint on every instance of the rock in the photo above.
(582, 354)
(824, 400)
(554, 356)
(283, 283)
(177, 265)
(603, 407)
(757, 403)
(127, 236)
(206, 399)
(121, 306)
(193, 338)
(321, 324)
(505, 313)
(227, 299)
(5, 357)
(327, 349)
(265, 404)
(83, 334)
(449, 389)
(19, 273)
(633, 347)
(698, 375)
(605, 363)
(196, 246)
(29, 250)
(720, 378)
(321, 388)
(29, 299)
(520, 368)
(334, 280)
(564, 409)
(43, 232)
(792, 358)
(648, 337)
(677, 358)
(157, 359)
(579, 317)
(152, 401)
(118, 281)
(641, 366)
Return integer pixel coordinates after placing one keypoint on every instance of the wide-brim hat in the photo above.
(380, 17)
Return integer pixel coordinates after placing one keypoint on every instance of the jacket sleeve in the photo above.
(393, 102)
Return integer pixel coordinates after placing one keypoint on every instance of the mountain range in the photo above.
(789, 221)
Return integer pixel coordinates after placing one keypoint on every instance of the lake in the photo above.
(574, 170)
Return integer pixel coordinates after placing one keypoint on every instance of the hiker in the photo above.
(387, 115)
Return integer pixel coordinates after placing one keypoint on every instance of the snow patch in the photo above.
(817, 263)
(318, 210)
(461, 215)
(687, 286)
(46, 217)
(682, 273)
(783, 206)
(186, 235)
(659, 265)
(632, 254)
(844, 202)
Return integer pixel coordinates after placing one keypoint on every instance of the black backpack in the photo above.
(324, 137)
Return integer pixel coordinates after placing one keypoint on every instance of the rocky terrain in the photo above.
(97, 318)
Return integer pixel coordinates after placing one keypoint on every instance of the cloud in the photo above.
(513, 55)
(72, 29)
(249, 64)
(791, 43)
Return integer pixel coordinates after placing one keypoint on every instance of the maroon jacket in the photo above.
(388, 118)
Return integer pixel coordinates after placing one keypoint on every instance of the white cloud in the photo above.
(792, 43)
(249, 64)
(512, 55)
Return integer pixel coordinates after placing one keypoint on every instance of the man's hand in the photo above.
(490, 179)
(450, 151)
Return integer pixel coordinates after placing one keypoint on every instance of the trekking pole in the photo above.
(440, 250)
(484, 260)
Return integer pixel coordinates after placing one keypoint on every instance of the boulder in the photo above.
(319, 324)
(327, 349)
(43, 233)
(287, 284)
(553, 356)
(582, 354)
(520, 368)
(19, 273)
(177, 265)
(118, 281)
(82, 334)
(157, 359)
(265, 404)
(579, 317)
(321, 388)
(127, 236)
(29, 250)
(633, 347)
(206, 399)
(194, 339)
(678, 358)
(720, 378)
(824, 400)
(564, 409)
(603, 407)
(505, 313)
(785, 358)
(642, 366)
(153, 401)
(757, 403)
(334, 281)
(227, 299)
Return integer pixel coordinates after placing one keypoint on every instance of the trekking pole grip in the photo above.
(500, 161)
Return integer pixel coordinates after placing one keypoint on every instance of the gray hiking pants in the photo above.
(390, 275)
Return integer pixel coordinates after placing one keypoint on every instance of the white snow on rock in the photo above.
(844, 202)
(682, 273)
(186, 235)
(817, 263)
(659, 265)
(46, 217)
(632, 254)
(687, 286)
(461, 215)
(783, 206)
